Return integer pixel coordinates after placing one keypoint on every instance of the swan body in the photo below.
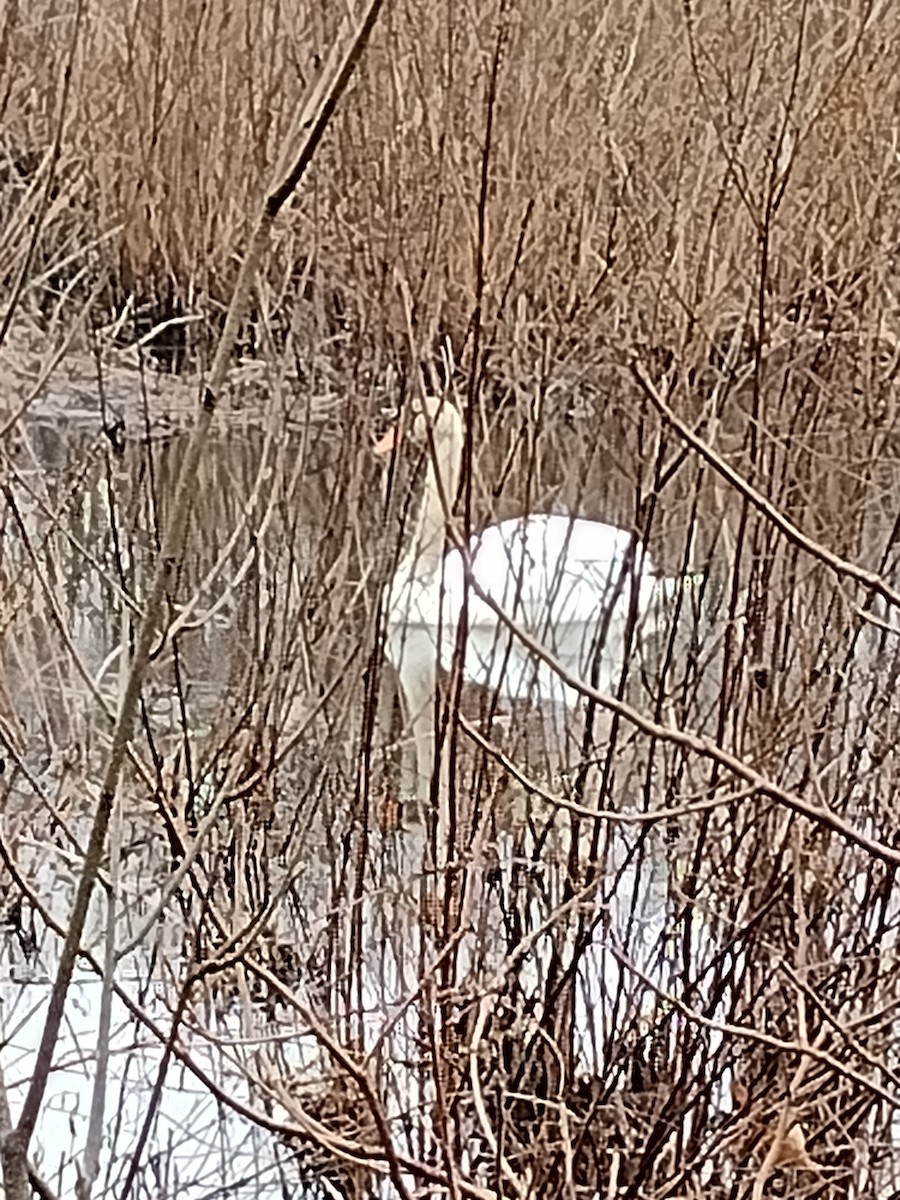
(567, 584)
(564, 582)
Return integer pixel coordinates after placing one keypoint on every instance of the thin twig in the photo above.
(840, 566)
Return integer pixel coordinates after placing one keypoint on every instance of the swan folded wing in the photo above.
(546, 570)
(558, 580)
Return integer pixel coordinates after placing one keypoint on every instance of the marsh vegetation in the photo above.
(644, 945)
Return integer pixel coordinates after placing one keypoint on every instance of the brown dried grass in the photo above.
(634, 155)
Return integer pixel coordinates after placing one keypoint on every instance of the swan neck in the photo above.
(441, 481)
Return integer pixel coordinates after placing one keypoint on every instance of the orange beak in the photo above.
(388, 442)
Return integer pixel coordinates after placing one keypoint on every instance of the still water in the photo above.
(263, 820)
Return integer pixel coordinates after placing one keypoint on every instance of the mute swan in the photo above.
(565, 582)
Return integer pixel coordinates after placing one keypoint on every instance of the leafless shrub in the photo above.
(667, 274)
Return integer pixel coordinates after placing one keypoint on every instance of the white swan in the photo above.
(567, 583)
(570, 585)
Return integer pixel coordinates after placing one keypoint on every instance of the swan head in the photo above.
(425, 418)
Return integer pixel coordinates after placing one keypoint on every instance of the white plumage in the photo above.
(566, 583)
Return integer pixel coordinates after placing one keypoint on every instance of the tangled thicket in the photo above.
(661, 243)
